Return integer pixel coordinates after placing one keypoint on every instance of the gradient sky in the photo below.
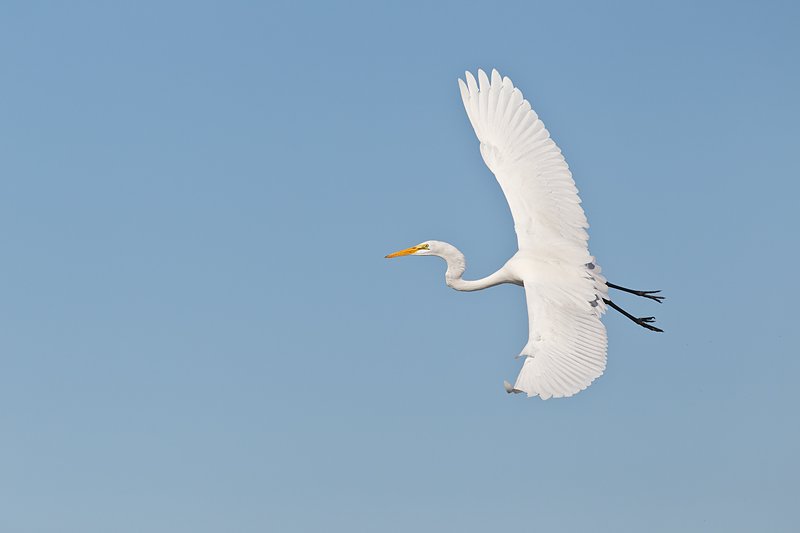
(199, 332)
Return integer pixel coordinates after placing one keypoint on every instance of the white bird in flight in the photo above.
(566, 294)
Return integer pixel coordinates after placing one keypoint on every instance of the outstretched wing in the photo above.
(528, 165)
(566, 349)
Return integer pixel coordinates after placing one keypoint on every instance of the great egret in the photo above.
(566, 293)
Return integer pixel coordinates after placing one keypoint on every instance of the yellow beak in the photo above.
(407, 251)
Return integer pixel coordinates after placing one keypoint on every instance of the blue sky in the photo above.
(199, 331)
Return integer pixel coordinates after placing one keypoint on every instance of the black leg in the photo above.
(643, 321)
(646, 294)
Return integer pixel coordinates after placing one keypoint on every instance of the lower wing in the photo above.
(566, 349)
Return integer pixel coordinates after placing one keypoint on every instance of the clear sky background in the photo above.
(199, 332)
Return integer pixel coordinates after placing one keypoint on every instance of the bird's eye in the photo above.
(426, 246)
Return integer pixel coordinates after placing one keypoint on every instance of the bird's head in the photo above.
(424, 248)
(455, 259)
(445, 250)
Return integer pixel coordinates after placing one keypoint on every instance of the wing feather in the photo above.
(567, 343)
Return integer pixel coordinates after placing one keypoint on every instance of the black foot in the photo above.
(645, 323)
(644, 294)
(649, 294)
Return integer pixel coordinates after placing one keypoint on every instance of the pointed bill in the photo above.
(407, 251)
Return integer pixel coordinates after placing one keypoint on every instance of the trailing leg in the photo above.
(642, 321)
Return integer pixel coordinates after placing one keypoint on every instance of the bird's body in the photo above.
(565, 292)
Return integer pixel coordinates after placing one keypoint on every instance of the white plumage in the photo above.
(565, 292)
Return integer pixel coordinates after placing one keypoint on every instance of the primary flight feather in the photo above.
(565, 292)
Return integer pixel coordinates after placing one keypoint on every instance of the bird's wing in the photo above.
(566, 350)
(528, 165)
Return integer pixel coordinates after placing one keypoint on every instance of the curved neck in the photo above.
(457, 264)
